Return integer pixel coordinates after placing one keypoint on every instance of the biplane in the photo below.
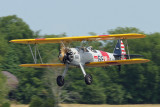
(84, 56)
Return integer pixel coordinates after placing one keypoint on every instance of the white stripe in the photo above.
(122, 45)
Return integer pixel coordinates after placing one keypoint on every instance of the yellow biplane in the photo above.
(84, 56)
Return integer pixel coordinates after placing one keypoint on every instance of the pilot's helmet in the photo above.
(90, 47)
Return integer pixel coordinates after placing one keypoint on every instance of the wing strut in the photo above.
(128, 49)
(34, 55)
(39, 54)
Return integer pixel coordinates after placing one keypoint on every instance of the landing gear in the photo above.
(88, 79)
(60, 80)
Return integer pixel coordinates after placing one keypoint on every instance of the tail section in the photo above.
(123, 52)
(119, 50)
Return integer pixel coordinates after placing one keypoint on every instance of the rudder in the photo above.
(119, 50)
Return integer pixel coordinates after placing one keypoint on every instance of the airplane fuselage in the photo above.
(86, 55)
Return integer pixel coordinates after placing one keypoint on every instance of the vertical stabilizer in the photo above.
(119, 50)
(123, 52)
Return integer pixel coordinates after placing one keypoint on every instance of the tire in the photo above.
(88, 79)
(60, 80)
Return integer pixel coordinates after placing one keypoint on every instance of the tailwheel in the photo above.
(88, 79)
(60, 80)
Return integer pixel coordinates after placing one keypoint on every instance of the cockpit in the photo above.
(86, 49)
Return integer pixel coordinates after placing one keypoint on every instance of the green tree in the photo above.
(115, 94)
(12, 54)
(122, 30)
(3, 89)
(138, 80)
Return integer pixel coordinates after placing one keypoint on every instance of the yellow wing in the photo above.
(42, 65)
(91, 64)
(116, 62)
(78, 38)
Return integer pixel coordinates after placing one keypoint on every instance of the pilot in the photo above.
(90, 48)
(84, 49)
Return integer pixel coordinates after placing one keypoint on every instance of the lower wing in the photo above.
(116, 62)
(91, 64)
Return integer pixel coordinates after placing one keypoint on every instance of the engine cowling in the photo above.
(66, 55)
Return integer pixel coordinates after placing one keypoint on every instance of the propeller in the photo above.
(65, 54)
(62, 52)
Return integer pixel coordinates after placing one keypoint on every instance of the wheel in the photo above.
(60, 80)
(88, 79)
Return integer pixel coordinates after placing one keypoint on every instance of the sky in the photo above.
(79, 17)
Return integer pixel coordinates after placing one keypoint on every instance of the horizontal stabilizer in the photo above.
(131, 56)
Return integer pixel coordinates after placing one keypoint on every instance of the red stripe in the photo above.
(95, 57)
(103, 35)
(40, 38)
(112, 63)
(123, 51)
(46, 65)
(105, 54)
(123, 58)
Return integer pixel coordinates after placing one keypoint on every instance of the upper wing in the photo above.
(78, 38)
(42, 65)
(116, 62)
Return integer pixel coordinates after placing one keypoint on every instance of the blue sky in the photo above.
(78, 17)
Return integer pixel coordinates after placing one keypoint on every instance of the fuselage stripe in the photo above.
(105, 54)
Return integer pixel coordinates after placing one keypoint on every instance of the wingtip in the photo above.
(143, 35)
(21, 65)
(147, 60)
(10, 41)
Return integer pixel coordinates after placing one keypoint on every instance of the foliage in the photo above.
(49, 102)
(6, 104)
(30, 84)
(39, 102)
(3, 89)
(36, 102)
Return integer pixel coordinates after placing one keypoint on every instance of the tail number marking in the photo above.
(101, 58)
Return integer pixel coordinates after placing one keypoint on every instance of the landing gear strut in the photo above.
(60, 78)
(87, 77)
